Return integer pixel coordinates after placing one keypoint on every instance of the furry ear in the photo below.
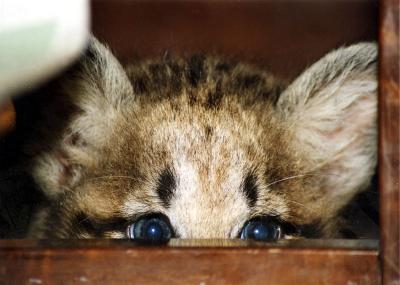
(332, 108)
(82, 108)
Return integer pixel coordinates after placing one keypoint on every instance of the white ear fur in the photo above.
(332, 107)
(95, 89)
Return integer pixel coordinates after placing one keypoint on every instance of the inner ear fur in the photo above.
(332, 109)
(79, 111)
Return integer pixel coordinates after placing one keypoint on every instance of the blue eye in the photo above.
(261, 229)
(152, 229)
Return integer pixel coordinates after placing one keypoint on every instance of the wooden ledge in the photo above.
(189, 262)
(312, 244)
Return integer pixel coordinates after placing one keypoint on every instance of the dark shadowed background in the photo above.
(284, 36)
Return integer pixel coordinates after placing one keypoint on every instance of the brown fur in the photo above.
(309, 147)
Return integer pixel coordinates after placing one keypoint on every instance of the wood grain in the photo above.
(188, 262)
(389, 126)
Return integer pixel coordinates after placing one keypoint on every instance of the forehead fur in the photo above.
(211, 124)
(196, 107)
(210, 148)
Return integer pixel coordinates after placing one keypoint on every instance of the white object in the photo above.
(38, 39)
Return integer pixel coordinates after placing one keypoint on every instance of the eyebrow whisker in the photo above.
(303, 205)
(299, 176)
(117, 177)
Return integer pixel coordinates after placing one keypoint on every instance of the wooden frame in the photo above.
(389, 127)
(237, 262)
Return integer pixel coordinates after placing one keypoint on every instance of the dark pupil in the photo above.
(150, 229)
(153, 231)
(258, 231)
(261, 229)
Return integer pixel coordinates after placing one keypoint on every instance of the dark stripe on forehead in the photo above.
(195, 72)
(312, 230)
(250, 189)
(214, 97)
(166, 186)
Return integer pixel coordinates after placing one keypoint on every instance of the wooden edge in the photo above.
(342, 244)
(184, 262)
(389, 128)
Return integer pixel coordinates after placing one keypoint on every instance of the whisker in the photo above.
(301, 204)
(117, 177)
(83, 220)
(337, 155)
(299, 176)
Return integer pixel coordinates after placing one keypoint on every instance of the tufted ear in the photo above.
(332, 108)
(82, 108)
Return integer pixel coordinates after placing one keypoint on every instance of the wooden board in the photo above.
(389, 146)
(189, 262)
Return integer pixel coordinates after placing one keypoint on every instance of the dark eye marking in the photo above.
(311, 230)
(82, 222)
(250, 189)
(195, 72)
(214, 97)
(166, 186)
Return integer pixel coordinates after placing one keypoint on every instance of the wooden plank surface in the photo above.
(389, 156)
(189, 262)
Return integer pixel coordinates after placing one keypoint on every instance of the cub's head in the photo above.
(203, 148)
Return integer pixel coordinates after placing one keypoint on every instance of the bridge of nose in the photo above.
(209, 202)
(210, 216)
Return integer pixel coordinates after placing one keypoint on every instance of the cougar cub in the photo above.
(200, 147)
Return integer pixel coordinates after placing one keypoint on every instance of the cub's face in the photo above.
(200, 148)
